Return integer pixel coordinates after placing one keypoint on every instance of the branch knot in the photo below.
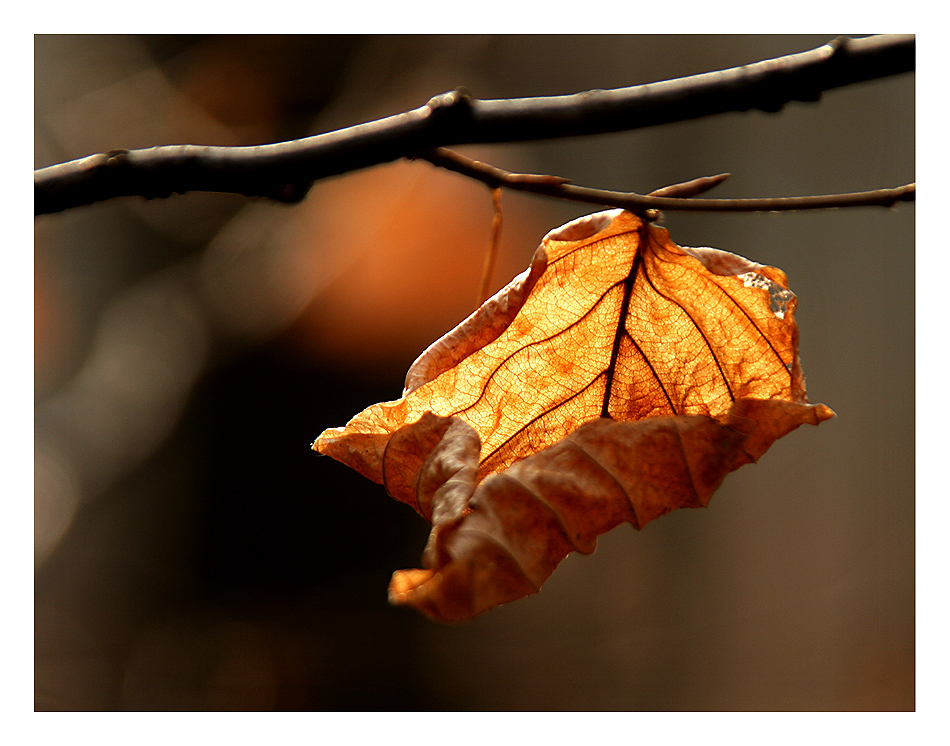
(117, 157)
(456, 104)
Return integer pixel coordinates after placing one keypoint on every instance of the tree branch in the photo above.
(285, 171)
(675, 197)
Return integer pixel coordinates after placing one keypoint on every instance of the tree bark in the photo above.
(285, 171)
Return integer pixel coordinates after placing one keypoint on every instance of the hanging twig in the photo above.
(489, 267)
(285, 171)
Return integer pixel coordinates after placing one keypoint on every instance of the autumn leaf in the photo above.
(618, 378)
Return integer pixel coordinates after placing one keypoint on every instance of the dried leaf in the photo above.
(618, 378)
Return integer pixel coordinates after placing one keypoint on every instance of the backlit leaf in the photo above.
(619, 377)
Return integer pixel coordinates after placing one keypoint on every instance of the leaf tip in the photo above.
(405, 583)
(325, 438)
(359, 451)
(412, 588)
(823, 413)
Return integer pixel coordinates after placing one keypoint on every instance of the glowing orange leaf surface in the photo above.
(618, 378)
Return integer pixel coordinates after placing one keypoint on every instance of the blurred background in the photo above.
(193, 553)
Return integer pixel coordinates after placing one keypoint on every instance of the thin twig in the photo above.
(488, 269)
(684, 190)
(690, 188)
(554, 186)
(285, 171)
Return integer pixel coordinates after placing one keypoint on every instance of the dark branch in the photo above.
(285, 171)
(675, 197)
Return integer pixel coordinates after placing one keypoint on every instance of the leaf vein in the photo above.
(538, 417)
(504, 362)
(699, 329)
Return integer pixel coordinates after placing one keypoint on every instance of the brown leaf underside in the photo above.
(618, 378)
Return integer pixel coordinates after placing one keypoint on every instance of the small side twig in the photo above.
(690, 188)
(555, 186)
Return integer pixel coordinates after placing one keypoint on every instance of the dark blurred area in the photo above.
(193, 553)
